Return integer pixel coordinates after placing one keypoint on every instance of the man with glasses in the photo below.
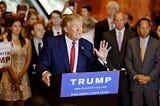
(55, 21)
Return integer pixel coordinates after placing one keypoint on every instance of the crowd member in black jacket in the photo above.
(38, 31)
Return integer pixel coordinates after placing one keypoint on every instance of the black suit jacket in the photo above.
(116, 57)
(100, 28)
(33, 75)
(50, 33)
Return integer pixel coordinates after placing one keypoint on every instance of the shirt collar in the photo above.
(109, 20)
(122, 30)
(145, 39)
(36, 41)
(69, 41)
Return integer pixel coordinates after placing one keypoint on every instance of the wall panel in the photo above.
(138, 8)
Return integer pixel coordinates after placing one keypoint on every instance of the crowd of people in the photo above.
(77, 42)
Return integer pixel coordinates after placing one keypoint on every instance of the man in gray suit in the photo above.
(143, 64)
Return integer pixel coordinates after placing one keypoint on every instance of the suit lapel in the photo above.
(63, 49)
(148, 48)
(137, 48)
(114, 39)
(80, 48)
(34, 49)
(124, 40)
(84, 54)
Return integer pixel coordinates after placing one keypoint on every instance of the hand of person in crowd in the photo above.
(20, 75)
(75, 7)
(139, 78)
(12, 74)
(102, 53)
(17, 85)
(146, 79)
(143, 79)
(65, 6)
(46, 78)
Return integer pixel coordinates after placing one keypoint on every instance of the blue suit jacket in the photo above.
(54, 57)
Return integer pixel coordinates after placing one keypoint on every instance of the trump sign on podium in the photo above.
(90, 83)
(5, 54)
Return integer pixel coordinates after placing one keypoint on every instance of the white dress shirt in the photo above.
(122, 33)
(110, 22)
(55, 31)
(36, 44)
(145, 42)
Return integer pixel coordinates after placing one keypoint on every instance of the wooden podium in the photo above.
(52, 94)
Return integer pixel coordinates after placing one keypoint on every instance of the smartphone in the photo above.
(71, 3)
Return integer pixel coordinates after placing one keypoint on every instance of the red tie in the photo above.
(72, 56)
(58, 33)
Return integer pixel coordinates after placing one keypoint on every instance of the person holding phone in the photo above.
(71, 5)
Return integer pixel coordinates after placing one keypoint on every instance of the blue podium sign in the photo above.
(89, 83)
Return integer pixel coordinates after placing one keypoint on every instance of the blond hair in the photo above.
(69, 18)
(113, 4)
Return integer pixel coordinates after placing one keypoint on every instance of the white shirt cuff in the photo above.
(45, 72)
(102, 62)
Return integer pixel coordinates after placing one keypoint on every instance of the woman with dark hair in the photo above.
(14, 86)
(1, 22)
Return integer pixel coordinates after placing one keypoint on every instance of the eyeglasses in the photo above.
(34, 19)
(55, 17)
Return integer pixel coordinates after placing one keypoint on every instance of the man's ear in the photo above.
(32, 32)
(65, 29)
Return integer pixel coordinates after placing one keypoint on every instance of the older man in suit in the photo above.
(106, 24)
(55, 21)
(117, 39)
(143, 64)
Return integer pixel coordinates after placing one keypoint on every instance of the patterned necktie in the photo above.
(119, 40)
(112, 25)
(72, 57)
(39, 48)
(142, 50)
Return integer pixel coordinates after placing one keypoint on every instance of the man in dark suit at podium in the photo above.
(70, 52)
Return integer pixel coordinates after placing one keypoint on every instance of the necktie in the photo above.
(58, 33)
(39, 48)
(112, 25)
(119, 40)
(72, 56)
(142, 50)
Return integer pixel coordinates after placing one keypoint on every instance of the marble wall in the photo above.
(138, 8)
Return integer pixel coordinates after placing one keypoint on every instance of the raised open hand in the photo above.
(102, 53)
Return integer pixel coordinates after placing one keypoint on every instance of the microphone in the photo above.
(107, 67)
